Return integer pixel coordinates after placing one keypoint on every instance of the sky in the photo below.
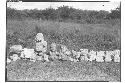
(78, 5)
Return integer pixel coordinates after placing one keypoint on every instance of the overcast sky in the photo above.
(78, 5)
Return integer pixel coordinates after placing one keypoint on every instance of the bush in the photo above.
(65, 14)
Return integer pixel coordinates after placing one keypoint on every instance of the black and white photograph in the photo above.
(63, 41)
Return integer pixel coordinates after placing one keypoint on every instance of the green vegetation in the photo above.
(22, 70)
(96, 30)
(65, 14)
(73, 35)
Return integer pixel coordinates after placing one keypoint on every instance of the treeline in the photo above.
(64, 14)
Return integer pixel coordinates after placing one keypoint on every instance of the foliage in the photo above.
(64, 13)
(74, 36)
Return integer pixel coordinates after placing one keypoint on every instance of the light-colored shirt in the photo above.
(16, 48)
(28, 53)
(92, 55)
(41, 46)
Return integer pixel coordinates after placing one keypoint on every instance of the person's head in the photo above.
(39, 37)
(53, 47)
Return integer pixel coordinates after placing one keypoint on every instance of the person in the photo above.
(64, 52)
(14, 57)
(40, 42)
(84, 53)
(28, 54)
(41, 46)
(53, 52)
(108, 56)
(116, 55)
(92, 54)
(100, 55)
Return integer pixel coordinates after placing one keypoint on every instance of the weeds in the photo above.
(74, 36)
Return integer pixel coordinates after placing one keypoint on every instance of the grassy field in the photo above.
(62, 71)
(74, 36)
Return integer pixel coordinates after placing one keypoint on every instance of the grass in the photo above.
(74, 36)
(60, 71)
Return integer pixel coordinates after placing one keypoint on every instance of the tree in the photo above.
(115, 13)
(49, 13)
(63, 12)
